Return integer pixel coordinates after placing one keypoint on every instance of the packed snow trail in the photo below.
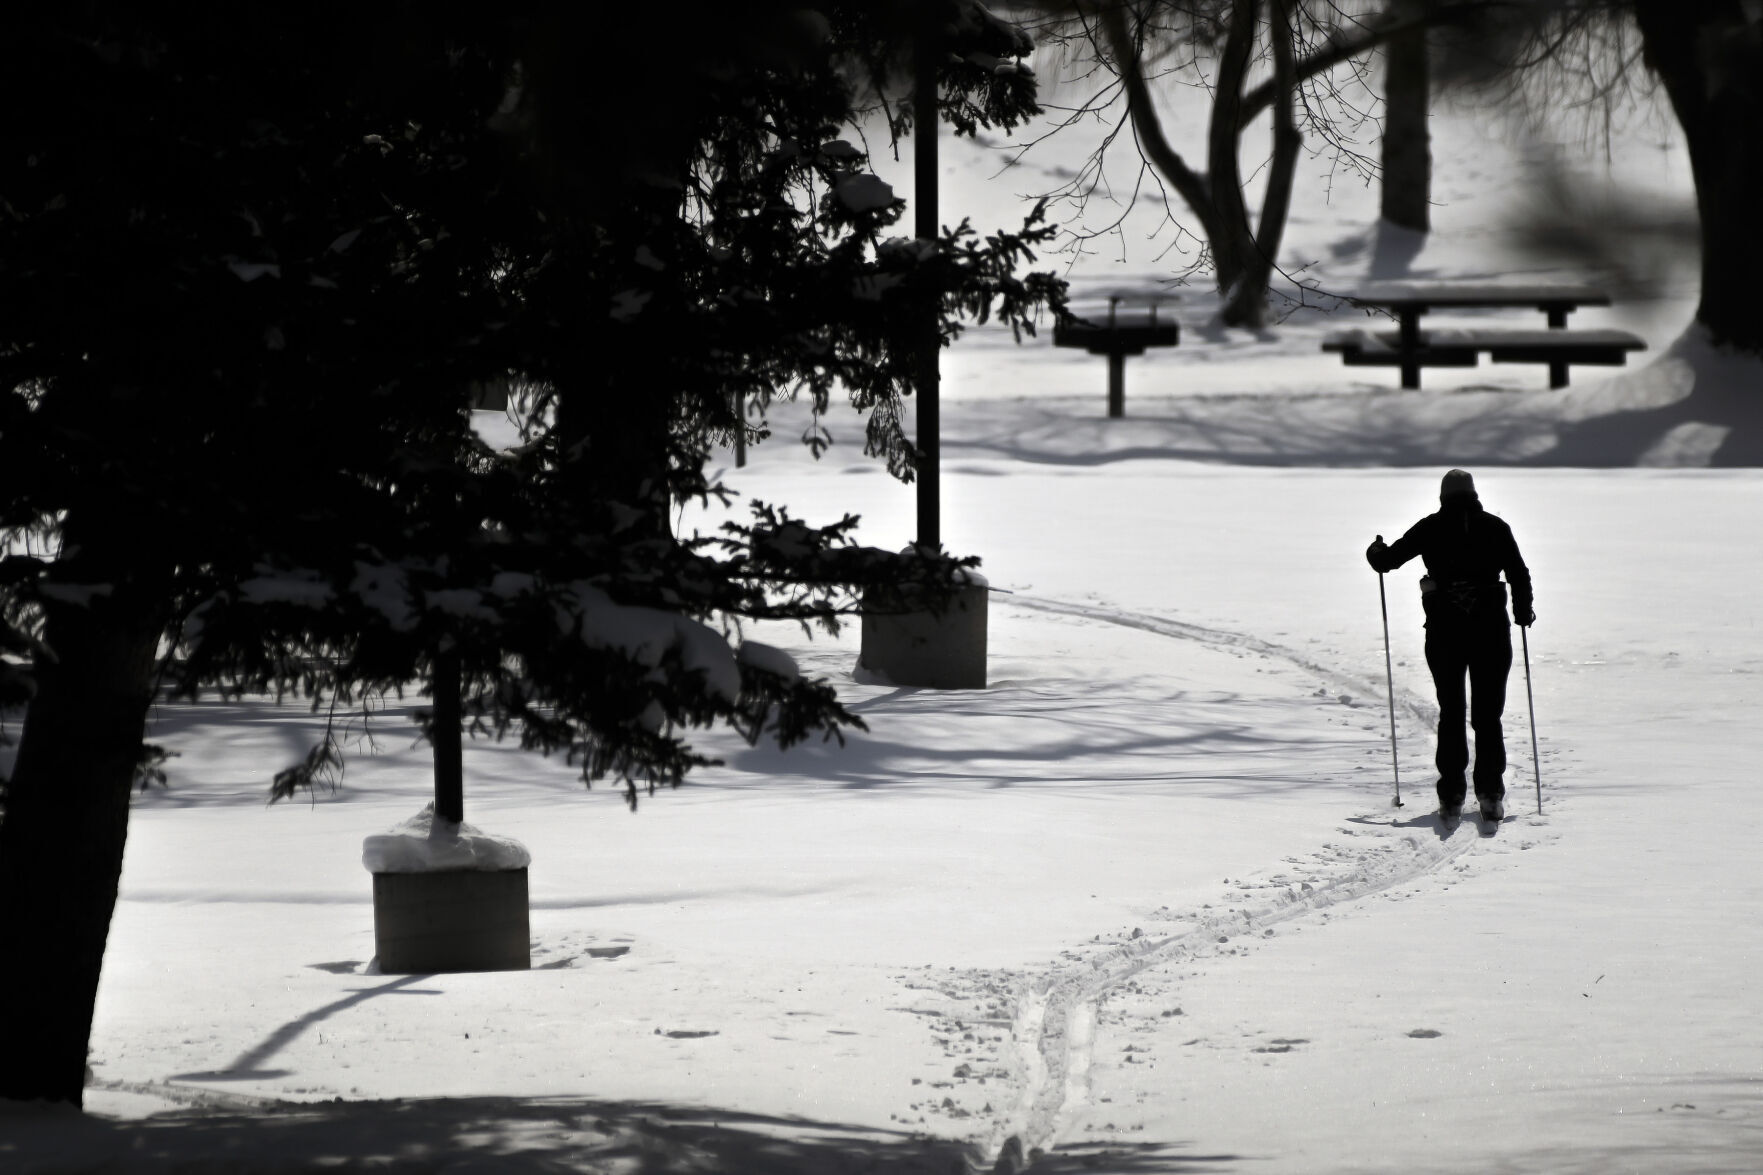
(1055, 1016)
(1053, 1027)
(1218, 638)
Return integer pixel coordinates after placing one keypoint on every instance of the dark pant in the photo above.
(1481, 649)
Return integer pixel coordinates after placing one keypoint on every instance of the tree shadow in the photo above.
(1673, 413)
(269, 733)
(1099, 733)
(1393, 251)
(1711, 1129)
(1127, 1158)
(248, 1066)
(1710, 425)
(516, 1136)
(1389, 252)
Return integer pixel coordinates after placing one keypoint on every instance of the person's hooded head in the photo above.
(1457, 489)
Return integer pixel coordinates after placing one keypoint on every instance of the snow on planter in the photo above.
(425, 844)
(863, 193)
(909, 645)
(768, 658)
(646, 635)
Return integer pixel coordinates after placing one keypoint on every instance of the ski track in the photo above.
(1413, 704)
(1054, 1021)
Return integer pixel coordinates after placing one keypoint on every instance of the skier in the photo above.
(1465, 549)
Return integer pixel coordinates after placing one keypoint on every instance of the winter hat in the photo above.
(1457, 482)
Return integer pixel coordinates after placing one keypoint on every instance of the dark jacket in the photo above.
(1465, 549)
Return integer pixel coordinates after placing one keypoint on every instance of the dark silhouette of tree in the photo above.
(253, 265)
(1405, 147)
(1593, 56)
(1710, 60)
(219, 350)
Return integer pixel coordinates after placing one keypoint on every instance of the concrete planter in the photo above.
(945, 650)
(451, 920)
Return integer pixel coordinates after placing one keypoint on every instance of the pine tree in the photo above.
(251, 269)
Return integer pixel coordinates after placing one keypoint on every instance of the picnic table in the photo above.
(1118, 336)
(1411, 348)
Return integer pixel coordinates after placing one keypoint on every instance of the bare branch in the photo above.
(1192, 187)
(1287, 141)
(1352, 41)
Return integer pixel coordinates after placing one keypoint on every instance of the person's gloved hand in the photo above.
(1525, 615)
(1377, 554)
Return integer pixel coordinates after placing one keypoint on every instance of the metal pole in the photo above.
(924, 195)
(1535, 756)
(1116, 384)
(1390, 677)
(1116, 365)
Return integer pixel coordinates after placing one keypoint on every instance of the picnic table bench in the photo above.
(1118, 336)
(1410, 348)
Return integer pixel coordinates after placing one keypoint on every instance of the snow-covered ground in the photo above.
(1143, 904)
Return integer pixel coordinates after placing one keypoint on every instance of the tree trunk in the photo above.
(1243, 257)
(1242, 277)
(1242, 283)
(61, 844)
(1406, 145)
(597, 182)
(1710, 58)
(446, 738)
(1248, 307)
(614, 425)
(614, 406)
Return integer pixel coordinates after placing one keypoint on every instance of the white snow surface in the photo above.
(426, 843)
(384, 590)
(1143, 904)
(769, 658)
(648, 634)
(863, 193)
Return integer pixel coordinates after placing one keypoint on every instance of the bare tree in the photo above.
(1711, 63)
(1255, 57)
(1708, 60)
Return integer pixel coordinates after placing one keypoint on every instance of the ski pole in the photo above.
(1535, 757)
(1390, 678)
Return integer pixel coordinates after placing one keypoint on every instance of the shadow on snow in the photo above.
(516, 1136)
